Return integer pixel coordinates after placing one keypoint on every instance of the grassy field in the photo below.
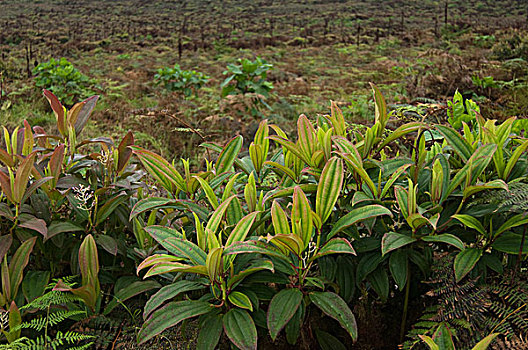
(320, 51)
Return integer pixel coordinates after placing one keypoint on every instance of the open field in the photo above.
(320, 51)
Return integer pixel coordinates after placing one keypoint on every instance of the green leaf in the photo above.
(495, 184)
(287, 244)
(465, 261)
(210, 332)
(470, 221)
(484, 343)
(208, 192)
(33, 223)
(110, 205)
(214, 223)
(292, 147)
(398, 265)
(282, 168)
(307, 137)
(279, 219)
(293, 327)
(402, 131)
(332, 305)
(393, 240)
(149, 203)
(136, 288)
(169, 292)
(160, 233)
(474, 167)
(257, 266)
(514, 158)
(240, 329)
(442, 337)
(510, 243)
(381, 117)
(241, 300)
(335, 246)
(517, 220)
(160, 169)
(380, 283)
(252, 247)
(429, 341)
(169, 316)
(228, 155)
(357, 215)
(329, 188)
(182, 248)
(282, 308)
(22, 177)
(301, 216)
(57, 227)
(15, 320)
(393, 178)
(345, 277)
(241, 230)
(214, 264)
(459, 144)
(108, 243)
(18, 263)
(367, 264)
(445, 238)
(327, 341)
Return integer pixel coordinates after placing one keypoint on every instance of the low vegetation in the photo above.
(278, 245)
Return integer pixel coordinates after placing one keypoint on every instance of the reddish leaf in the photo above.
(124, 152)
(58, 109)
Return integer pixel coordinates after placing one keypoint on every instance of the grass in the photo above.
(405, 62)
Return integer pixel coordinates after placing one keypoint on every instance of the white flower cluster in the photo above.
(104, 157)
(85, 196)
(311, 249)
(4, 320)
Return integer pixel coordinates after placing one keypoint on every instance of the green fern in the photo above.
(472, 311)
(515, 199)
(53, 309)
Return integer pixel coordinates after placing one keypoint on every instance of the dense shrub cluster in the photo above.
(260, 245)
(63, 79)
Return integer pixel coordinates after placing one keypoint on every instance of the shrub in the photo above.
(314, 223)
(249, 78)
(270, 242)
(184, 81)
(63, 79)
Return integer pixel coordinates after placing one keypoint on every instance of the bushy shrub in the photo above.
(317, 222)
(514, 45)
(184, 81)
(249, 78)
(63, 79)
(271, 242)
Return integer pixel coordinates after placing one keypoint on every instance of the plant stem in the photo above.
(405, 305)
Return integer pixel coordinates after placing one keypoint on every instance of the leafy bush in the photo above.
(263, 239)
(176, 79)
(249, 78)
(271, 242)
(461, 111)
(60, 195)
(63, 79)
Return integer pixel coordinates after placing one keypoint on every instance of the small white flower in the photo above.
(4, 320)
(104, 157)
(85, 196)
